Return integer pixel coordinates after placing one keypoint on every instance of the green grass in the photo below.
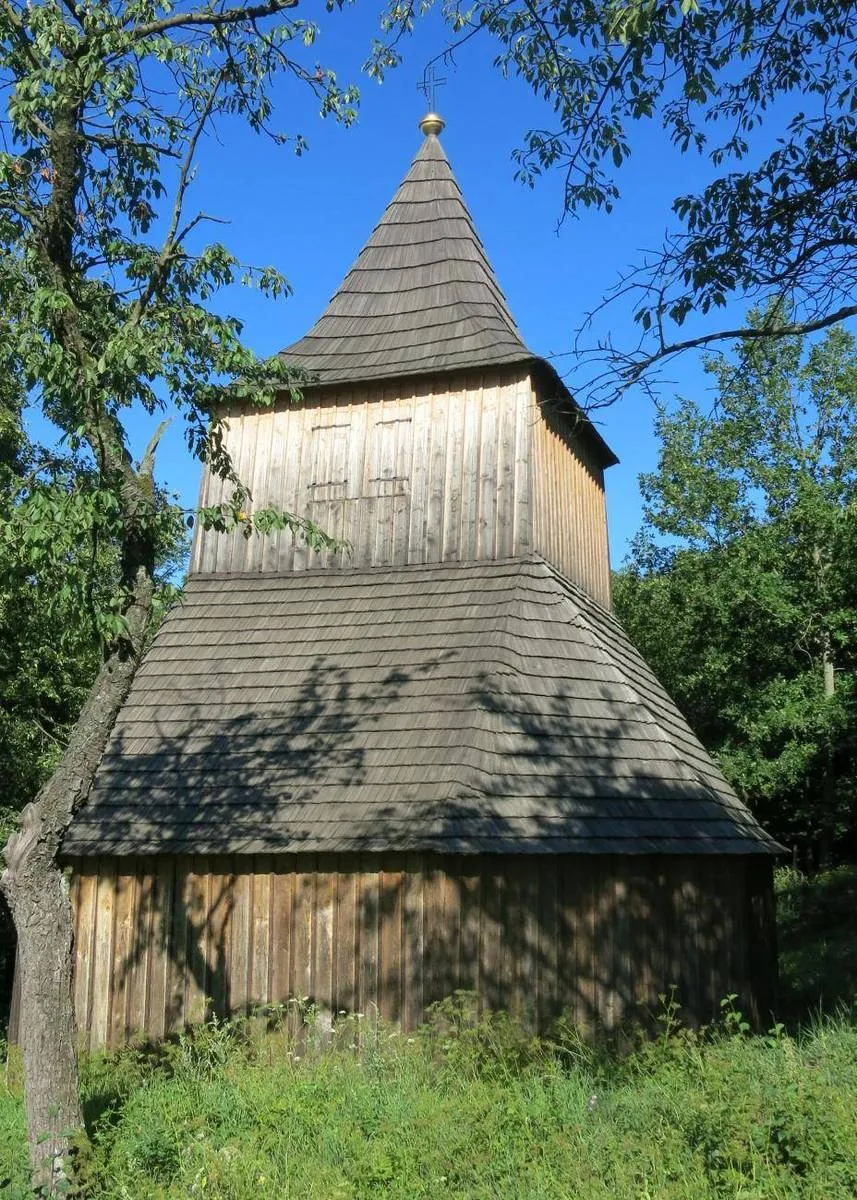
(476, 1109)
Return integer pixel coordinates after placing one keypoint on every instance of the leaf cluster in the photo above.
(106, 105)
(741, 588)
(762, 92)
(49, 641)
(107, 287)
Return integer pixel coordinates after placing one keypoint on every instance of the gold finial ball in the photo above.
(432, 124)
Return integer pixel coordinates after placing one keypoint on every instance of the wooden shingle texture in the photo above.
(422, 296)
(459, 708)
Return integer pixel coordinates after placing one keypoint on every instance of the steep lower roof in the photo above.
(459, 708)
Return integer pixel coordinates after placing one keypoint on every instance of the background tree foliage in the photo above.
(53, 612)
(741, 589)
(47, 660)
(777, 218)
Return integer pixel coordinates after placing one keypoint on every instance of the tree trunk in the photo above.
(38, 896)
(35, 887)
(828, 817)
(827, 825)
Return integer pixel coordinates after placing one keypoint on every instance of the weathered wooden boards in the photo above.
(464, 467)
(569, 506)
(424, 471)
(161, 943)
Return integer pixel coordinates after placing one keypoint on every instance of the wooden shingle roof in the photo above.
(421, 297)
(458, 707)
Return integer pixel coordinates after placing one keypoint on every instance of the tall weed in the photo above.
(470, 1106)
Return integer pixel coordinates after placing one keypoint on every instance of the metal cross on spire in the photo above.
(430, 84)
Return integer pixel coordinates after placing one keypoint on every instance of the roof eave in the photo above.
(606, 456)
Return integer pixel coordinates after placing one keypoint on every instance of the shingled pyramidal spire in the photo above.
(422, 296)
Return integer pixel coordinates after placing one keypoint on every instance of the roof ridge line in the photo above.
(635, 696)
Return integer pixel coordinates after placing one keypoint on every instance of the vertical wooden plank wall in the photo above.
(161, 943)
(424, 471)
(569, 505)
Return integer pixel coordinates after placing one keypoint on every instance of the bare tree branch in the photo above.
(168, 247)
(211, 18)
(744, 333)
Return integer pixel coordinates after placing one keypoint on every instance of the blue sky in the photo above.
(310, 215)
